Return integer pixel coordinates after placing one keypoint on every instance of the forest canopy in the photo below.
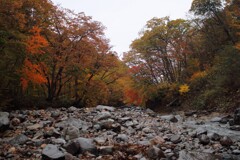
(52, 56)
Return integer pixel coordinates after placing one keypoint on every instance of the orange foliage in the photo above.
(36, 43)
(32, 70)
(133, 97)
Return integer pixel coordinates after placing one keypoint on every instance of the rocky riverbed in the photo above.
(117, 133)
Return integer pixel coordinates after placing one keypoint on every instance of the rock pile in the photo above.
(108, 133)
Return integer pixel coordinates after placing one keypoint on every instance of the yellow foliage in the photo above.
(238, 46)
(198, 75)
(184, 89)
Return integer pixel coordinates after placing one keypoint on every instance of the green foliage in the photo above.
(204, 7)
(226, 71)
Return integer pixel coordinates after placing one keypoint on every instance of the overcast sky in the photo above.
(125, 18)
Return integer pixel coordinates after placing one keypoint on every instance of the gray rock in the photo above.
(72, 109)
(231, 122)
(69, 156)
(236, 117)
(173, 119)
(100, 140)
(190, 113)
(59, 141)
(106, 149)
(104, 115)
(35, 127)
(235, 127)
(204, 139)
(155, 153)
(184, 155)
(167, 117)
(4, 121)
(55, 114)
(72, 148)
(214, 136)
(106, 124)
(225, 119)
(236, 152)
(73, 122)
(144, 143)
(226, 141)
(107, 108)
(129, 124)
(175, 139)
(200, 131)
(122, 137)
(124, 119)
(71, 132)
(15, 121)
(86, 144)
(216, 119)
(52, 152)
(18, 140)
